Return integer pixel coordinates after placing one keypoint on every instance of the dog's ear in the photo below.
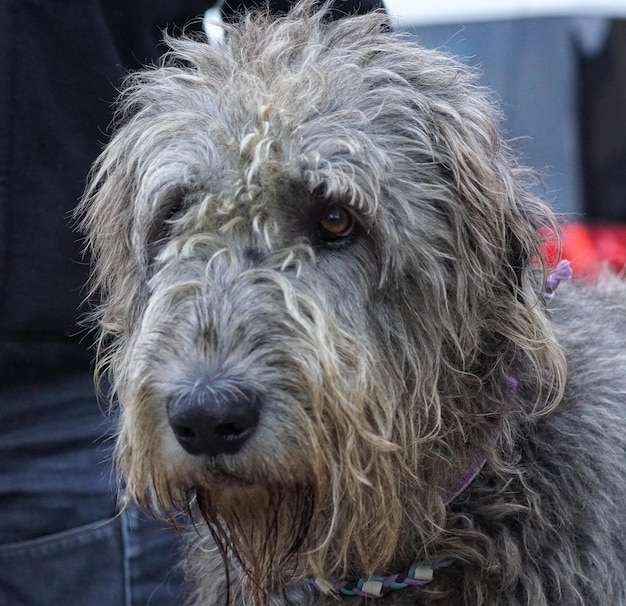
(490, 267)
(491, 195)
(105, 216)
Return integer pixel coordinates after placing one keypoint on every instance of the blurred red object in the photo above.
(588, 248)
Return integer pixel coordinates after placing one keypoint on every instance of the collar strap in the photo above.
(562, 272)
(420, 573)
(479, 461)
(467, 478)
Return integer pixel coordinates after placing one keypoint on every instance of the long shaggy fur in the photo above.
(387, 363)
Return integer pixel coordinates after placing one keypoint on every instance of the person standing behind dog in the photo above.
(61, 540)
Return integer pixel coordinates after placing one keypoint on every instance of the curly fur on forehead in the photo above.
(379, 365)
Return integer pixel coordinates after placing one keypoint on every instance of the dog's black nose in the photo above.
(216, 417)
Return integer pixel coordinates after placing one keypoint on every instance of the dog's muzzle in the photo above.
(213, 417)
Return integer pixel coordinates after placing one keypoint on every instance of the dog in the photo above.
(340, 356)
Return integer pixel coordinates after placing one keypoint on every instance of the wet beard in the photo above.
(261, 528)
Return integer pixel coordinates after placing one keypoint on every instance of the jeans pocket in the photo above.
(83, 566)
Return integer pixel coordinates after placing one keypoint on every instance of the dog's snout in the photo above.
(214, 418)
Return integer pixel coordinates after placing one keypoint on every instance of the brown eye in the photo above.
(337, 223)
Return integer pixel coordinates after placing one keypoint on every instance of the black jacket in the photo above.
(61, 62)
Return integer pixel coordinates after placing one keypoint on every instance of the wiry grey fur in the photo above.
(384, 364)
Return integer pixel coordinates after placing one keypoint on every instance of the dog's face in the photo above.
(312, 249)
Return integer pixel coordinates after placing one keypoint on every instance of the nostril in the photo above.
(214, 418)
(183, 432)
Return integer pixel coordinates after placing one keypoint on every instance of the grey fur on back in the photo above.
(387, 361)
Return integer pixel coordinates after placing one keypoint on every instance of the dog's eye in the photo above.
(168, 218)
(337, 223)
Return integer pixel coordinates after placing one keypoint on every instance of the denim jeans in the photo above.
(62, 540)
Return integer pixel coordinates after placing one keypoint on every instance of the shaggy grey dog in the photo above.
(324, 311)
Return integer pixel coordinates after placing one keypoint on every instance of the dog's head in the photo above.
(319, 267)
